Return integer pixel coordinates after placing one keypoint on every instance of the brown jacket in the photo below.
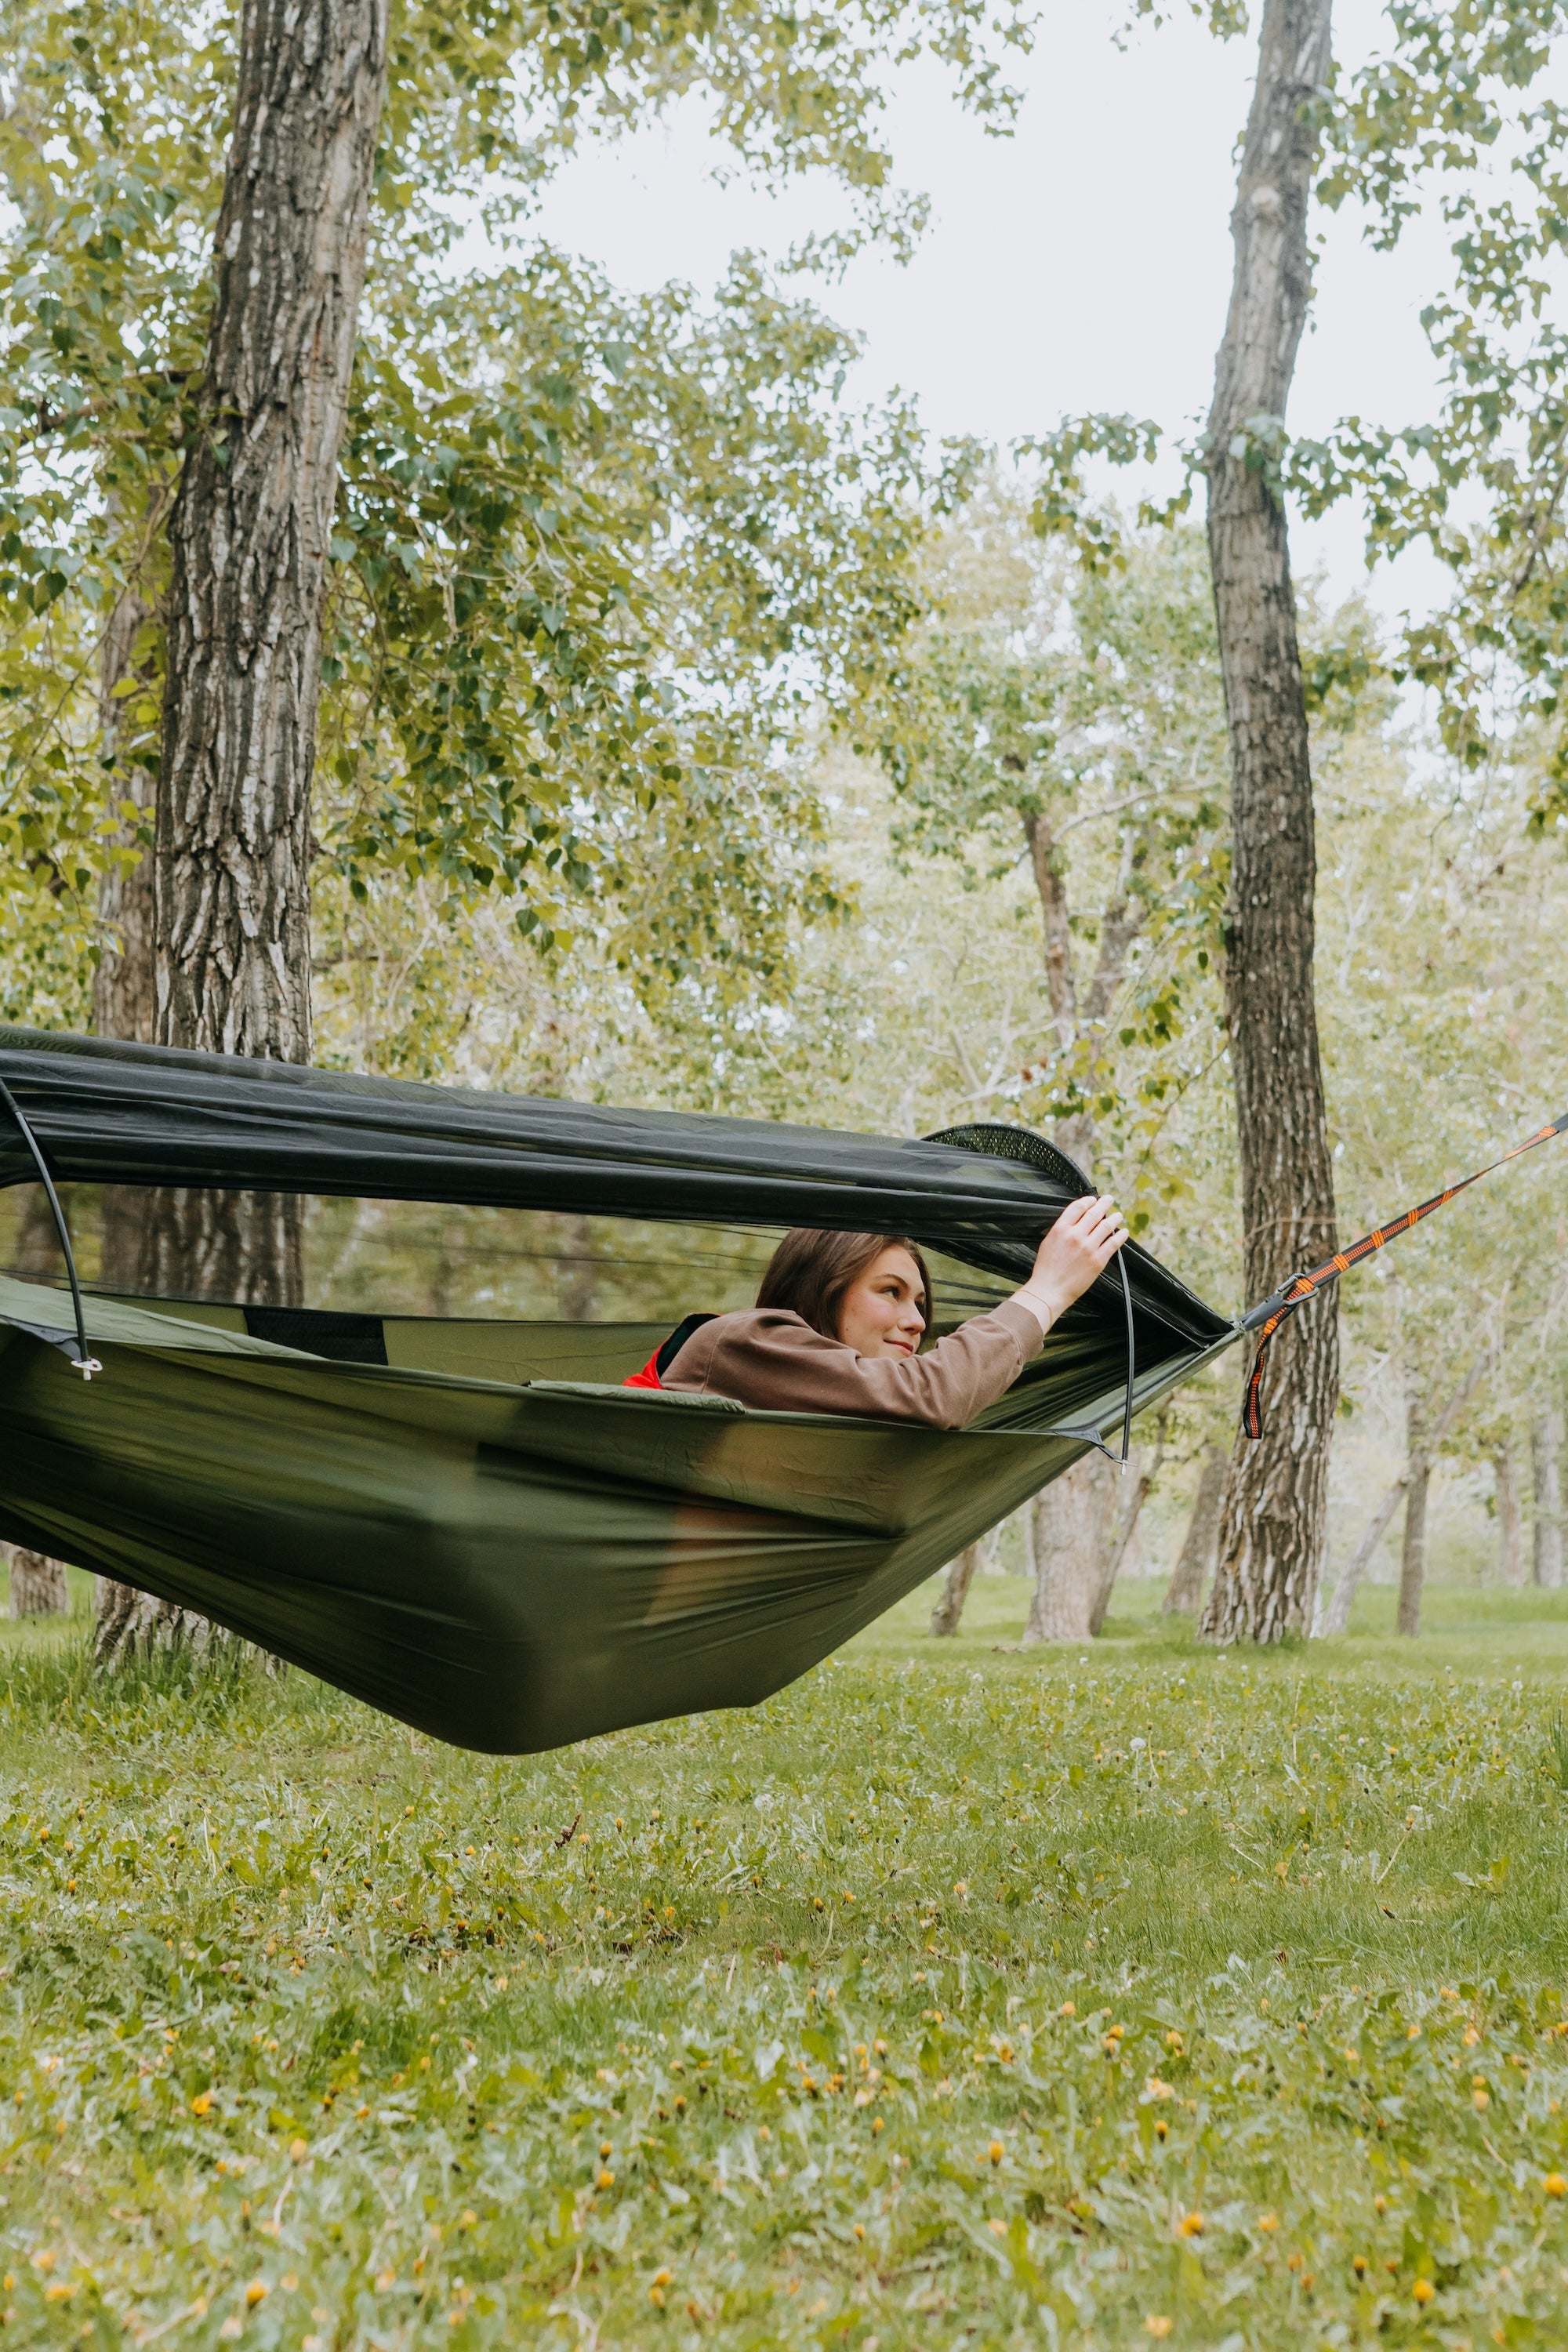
(770, 1358)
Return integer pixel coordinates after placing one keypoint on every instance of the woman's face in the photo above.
(882, 1312)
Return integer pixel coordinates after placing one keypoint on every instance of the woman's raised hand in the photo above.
(1075, 1252)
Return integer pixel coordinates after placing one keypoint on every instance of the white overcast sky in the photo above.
(1082, 264)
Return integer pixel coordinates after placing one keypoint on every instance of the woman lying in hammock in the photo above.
(839, 1318)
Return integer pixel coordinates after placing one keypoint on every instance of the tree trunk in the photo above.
(248, 544)
(1545, 1446)
(1413, 1559)
(945, 1616)
(1336, 1617)
(1510, 1517)
(1275, 1515)
(123, 992)
(1071, 1529)
(251, 532)
(124, 1005)
(1124, 1540)
(122, 985)
(1184, 1593)
(38, 1585)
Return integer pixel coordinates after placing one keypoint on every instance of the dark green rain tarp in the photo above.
(468, 1523)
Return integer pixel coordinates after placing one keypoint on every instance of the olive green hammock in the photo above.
(465, 1519)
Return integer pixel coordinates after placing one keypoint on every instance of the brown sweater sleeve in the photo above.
(775, 1362)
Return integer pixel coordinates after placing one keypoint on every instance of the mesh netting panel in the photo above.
(1014, 1143)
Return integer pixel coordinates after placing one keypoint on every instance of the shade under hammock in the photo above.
(467, 1522)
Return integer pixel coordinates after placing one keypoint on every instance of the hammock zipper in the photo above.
(85, 1364)
(1265, 1318)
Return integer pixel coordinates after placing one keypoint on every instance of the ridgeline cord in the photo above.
(1265, 1318)
(85, 1364)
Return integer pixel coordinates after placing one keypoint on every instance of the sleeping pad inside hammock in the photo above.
(466, 1521)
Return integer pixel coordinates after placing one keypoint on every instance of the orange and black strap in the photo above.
(1267, 1315)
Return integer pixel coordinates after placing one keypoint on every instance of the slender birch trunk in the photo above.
(1336, 1617)
(1145, 1473)
(1510, 1517)
(1184, 1593)
(1413, 1557)
(1274, 1514)
(1546, 1455)
(948, 1609)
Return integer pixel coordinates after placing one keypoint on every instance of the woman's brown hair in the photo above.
(809, 1272)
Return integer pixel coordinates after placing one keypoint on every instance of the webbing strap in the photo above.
(1267, 1317)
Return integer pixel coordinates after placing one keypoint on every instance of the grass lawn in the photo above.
(958, 1996)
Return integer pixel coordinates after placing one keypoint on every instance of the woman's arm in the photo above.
(775, 1361)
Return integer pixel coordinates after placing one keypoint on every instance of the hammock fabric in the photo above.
(473, 1525)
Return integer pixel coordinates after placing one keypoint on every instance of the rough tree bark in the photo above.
(123, 983)
(1275, 1513)
(122, 992)
(123, 1005)
(1413, 1557)
(1546, 1453)
(248, 548)
(1184, 1594)
(38, 1585)
(1510, 1517)
(1071, 1529)
(249, 545)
